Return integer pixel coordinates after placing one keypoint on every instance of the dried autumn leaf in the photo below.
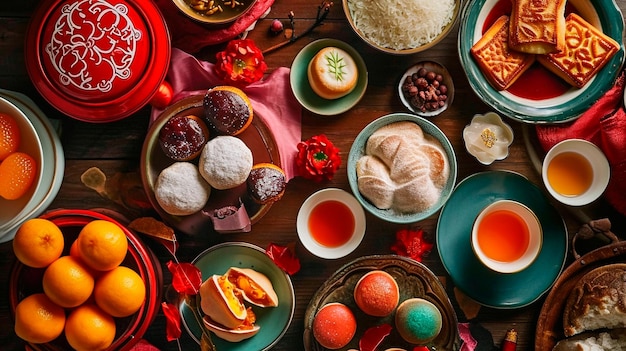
(156, 229)
(172, 317)
(284, 258)
(186, 278)
(94, 179)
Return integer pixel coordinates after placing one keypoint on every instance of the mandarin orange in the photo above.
(102, 245)
(120, 292)
(38, 319)
(67, 282)
(89, 328)
(38, 242)
(17, 174)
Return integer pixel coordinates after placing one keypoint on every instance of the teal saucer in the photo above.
(487, 287)
(274, 321)
(302, 89)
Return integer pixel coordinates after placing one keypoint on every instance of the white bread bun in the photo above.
(225, 162)
(403, 169)
(332, 73)
(597, 301)
(180, 189)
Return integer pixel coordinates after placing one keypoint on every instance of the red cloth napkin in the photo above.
(192, 36)
(271, 98)
(604, 124)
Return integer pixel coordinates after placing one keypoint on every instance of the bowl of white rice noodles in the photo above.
(402, 26)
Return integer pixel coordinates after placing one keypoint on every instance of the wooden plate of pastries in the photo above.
(592, 285)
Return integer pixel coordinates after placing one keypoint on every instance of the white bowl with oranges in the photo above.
(98, 281)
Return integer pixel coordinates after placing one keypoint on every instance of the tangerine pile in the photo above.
(17, 169)
(83, 291)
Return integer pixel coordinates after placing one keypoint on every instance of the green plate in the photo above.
(602, 13)
(454, 229)
(274, 321)
(305, 94)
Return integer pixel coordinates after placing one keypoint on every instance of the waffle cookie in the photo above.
(537, 27)
(500, 65)
(587, 50)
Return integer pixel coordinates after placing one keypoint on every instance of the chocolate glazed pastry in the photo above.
(227, 109)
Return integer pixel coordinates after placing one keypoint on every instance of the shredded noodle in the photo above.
(401, 24)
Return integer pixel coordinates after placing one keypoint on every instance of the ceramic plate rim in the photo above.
(305, 95)
(359, 223)
(248, 247)
(357, 150)
(542, 208)
(561, 112)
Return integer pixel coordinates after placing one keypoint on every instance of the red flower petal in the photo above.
(241, 64)
(172, 318)
(186, 278)
(411, 243)
(284, 258)
(373, 337)
(318, 159)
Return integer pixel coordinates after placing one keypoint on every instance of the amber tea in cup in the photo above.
(506, 236)
(575, 172)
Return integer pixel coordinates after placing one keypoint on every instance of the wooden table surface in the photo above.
(115, 148)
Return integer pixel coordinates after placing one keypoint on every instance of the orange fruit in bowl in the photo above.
(102, 245)
(68, 282)
(89, 328)
(38, 319)
(17, 174)
(9, 135)
(38, 242)
(120, 292)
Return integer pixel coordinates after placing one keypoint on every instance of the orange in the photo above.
(89, 328)
(9, 135)
(38, 319)
(67, 282)
(17, 174)
(102, 245)
(120, 292)
(38, 242)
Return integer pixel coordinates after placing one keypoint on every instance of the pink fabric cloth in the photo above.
(272, 101)
(604, 124)
(192, 36)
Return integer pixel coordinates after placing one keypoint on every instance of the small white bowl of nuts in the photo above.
(214, 11)
(426, 89)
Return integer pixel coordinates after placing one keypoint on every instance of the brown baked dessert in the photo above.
(500, 65)
(537, 27)
(228, 110)
(587, 50)
(598, 301)
(266, 183)
(183, 137)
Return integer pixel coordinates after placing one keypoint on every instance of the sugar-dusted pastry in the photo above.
(180, 189)
(225, 162)
(537, 27)
(500, 65)
(586, 52)
(332, 73)
(266, 183)
(228, 110)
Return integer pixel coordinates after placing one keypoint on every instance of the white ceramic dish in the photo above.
(53, 157)
(447, 80)
(304, 233)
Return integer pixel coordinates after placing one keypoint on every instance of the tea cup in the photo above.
(507, 236)
(575, 172)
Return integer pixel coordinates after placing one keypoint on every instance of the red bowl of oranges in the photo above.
(99, 285)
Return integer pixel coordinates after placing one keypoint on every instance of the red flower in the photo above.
(318, 158)
(411, 243)
(241, 64)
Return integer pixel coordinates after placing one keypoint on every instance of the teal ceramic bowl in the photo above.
(305, 94)
(477, 14)
(454, 231)
(274, 321)
(358, 150)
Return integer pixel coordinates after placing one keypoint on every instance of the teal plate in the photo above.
(302, 89)
(454, 228)
(604, 14)
(274, 321)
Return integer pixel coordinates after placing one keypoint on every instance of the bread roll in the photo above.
(332, 73)
(403, 169)
(597, 301)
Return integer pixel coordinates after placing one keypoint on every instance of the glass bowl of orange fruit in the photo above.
(99, 285)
